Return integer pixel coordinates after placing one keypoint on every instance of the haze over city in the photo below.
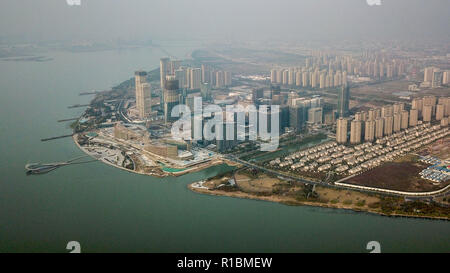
(288, 20)
(161, 125)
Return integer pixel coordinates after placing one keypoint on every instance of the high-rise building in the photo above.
(171, 95)
(355, 132)
(388, 125)
(273, 76)
(257, 93)
(174, 65)
(227, 76)
(446, 77)
(180, 75)
(417, 103)
(405, 119)
(398, 107)
(228, 141)
(437, 79)
(387, 110)
(280, 76)
(298, 78)
(341, 130)
(427, 113)
(343, 101)
(429, 100)
(379, 128)
(205, 73)
(285, 79)
(428, 74)
(369, 130)
(291, 80)
(196, 78)
(143, 94)
(220, 79)
(446, 102)
(413, 117)
(205, 90)
(305, 77)
(440, 110)
(297, 117)
(371, 114)
(397, 122)
(322, 80)
(164, 70)
(315, 115)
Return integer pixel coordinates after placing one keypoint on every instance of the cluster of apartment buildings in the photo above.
(176, 82)
(434, 77)
(353, 160)
(322, 71)
(387, 120)
(193, 77)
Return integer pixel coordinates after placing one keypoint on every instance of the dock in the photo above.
(77, 105)
(56, 137)
(68, 119)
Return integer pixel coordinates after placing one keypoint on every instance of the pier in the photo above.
(77, 105)
(43, 168)
(89, 93)
(56, 137)
(69, 119)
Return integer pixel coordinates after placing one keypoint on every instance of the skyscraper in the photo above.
(413, 117)
(205, 73)
(369, 132)
(171, 98)
(315, 115)
(427, 113)
(196, 78)
(220, 79)
(297, 117)
(273, 76)
(227, 78)
(143, 94)
(341, 130)
(343, 101)
(164, 70)
(405, 119)
(379, 126)
(388, 125)
(355, 132)
(180, 75)
(440, 110)
(397, 122)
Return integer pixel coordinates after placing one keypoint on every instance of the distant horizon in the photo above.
(224, 21)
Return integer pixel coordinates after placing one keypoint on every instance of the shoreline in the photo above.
(276, 199)
(198, 168)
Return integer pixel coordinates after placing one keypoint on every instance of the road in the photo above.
(324, 184)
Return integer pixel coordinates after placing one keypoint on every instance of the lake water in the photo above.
(109, 210)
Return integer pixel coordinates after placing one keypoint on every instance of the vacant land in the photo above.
(254, 185)
(402, 176)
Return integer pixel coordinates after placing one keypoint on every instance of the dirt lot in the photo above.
(401, 175)
(440, 149)
(261, 184)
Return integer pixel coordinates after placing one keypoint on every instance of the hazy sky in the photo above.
(224, 19)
